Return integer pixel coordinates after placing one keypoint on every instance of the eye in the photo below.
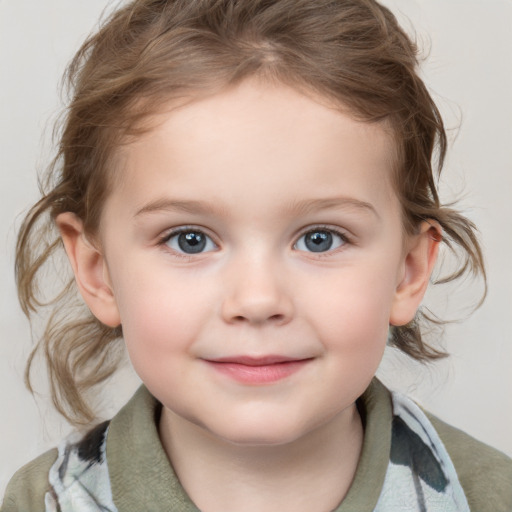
(320, 240)
(189, 241)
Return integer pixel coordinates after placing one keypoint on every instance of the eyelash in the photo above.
(319, 228)
(347, 240)
(176, 232)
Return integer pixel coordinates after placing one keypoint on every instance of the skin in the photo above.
(258, 170)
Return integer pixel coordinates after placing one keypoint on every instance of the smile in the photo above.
(259, 370)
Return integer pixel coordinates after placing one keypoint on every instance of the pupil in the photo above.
(192, 242)
(319, 241)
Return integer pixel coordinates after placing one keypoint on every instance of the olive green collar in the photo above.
(141, 474)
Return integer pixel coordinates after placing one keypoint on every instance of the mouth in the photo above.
(258, 370)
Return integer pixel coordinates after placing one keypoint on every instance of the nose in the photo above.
(255, 293)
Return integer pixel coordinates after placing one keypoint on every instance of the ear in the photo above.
(90, 269)
(421, 255)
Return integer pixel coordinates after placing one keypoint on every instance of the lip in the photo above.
(258, 370)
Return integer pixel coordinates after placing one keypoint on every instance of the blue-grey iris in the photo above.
(318, 241)
(192, 242)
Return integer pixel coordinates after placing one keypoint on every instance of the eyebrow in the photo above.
(303, 207)
(336, 203)
(171, 205)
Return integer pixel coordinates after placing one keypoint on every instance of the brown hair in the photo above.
(150, 51)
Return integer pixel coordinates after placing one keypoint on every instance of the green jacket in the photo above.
(142, 478)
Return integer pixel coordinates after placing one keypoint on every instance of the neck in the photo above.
(312, 473)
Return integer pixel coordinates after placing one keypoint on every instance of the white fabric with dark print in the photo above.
(79, 478)
(420, 476)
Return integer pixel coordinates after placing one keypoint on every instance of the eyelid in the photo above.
(184, 229)
(342, 233)
(172, 232)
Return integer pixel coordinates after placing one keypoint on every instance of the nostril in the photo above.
(256, 308)
(279, 318)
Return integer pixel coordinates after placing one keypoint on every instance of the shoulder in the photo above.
(48, 482)
(27, 488)
(484, 472)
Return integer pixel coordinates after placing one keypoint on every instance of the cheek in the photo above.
(355, 302)
(159, 317)
(351, 318)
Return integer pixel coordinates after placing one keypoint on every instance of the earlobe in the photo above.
(419, 261)
(90, 269)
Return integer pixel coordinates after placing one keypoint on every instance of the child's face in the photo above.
(255, 250)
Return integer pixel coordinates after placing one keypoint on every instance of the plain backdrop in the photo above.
(469, 71)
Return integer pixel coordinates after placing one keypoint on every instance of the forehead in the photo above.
(258, 135)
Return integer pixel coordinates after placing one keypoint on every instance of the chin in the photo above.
(259, 439)
(259, 433)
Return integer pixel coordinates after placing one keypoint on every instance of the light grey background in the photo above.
(469, 70)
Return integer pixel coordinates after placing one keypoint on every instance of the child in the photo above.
(245, 193)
